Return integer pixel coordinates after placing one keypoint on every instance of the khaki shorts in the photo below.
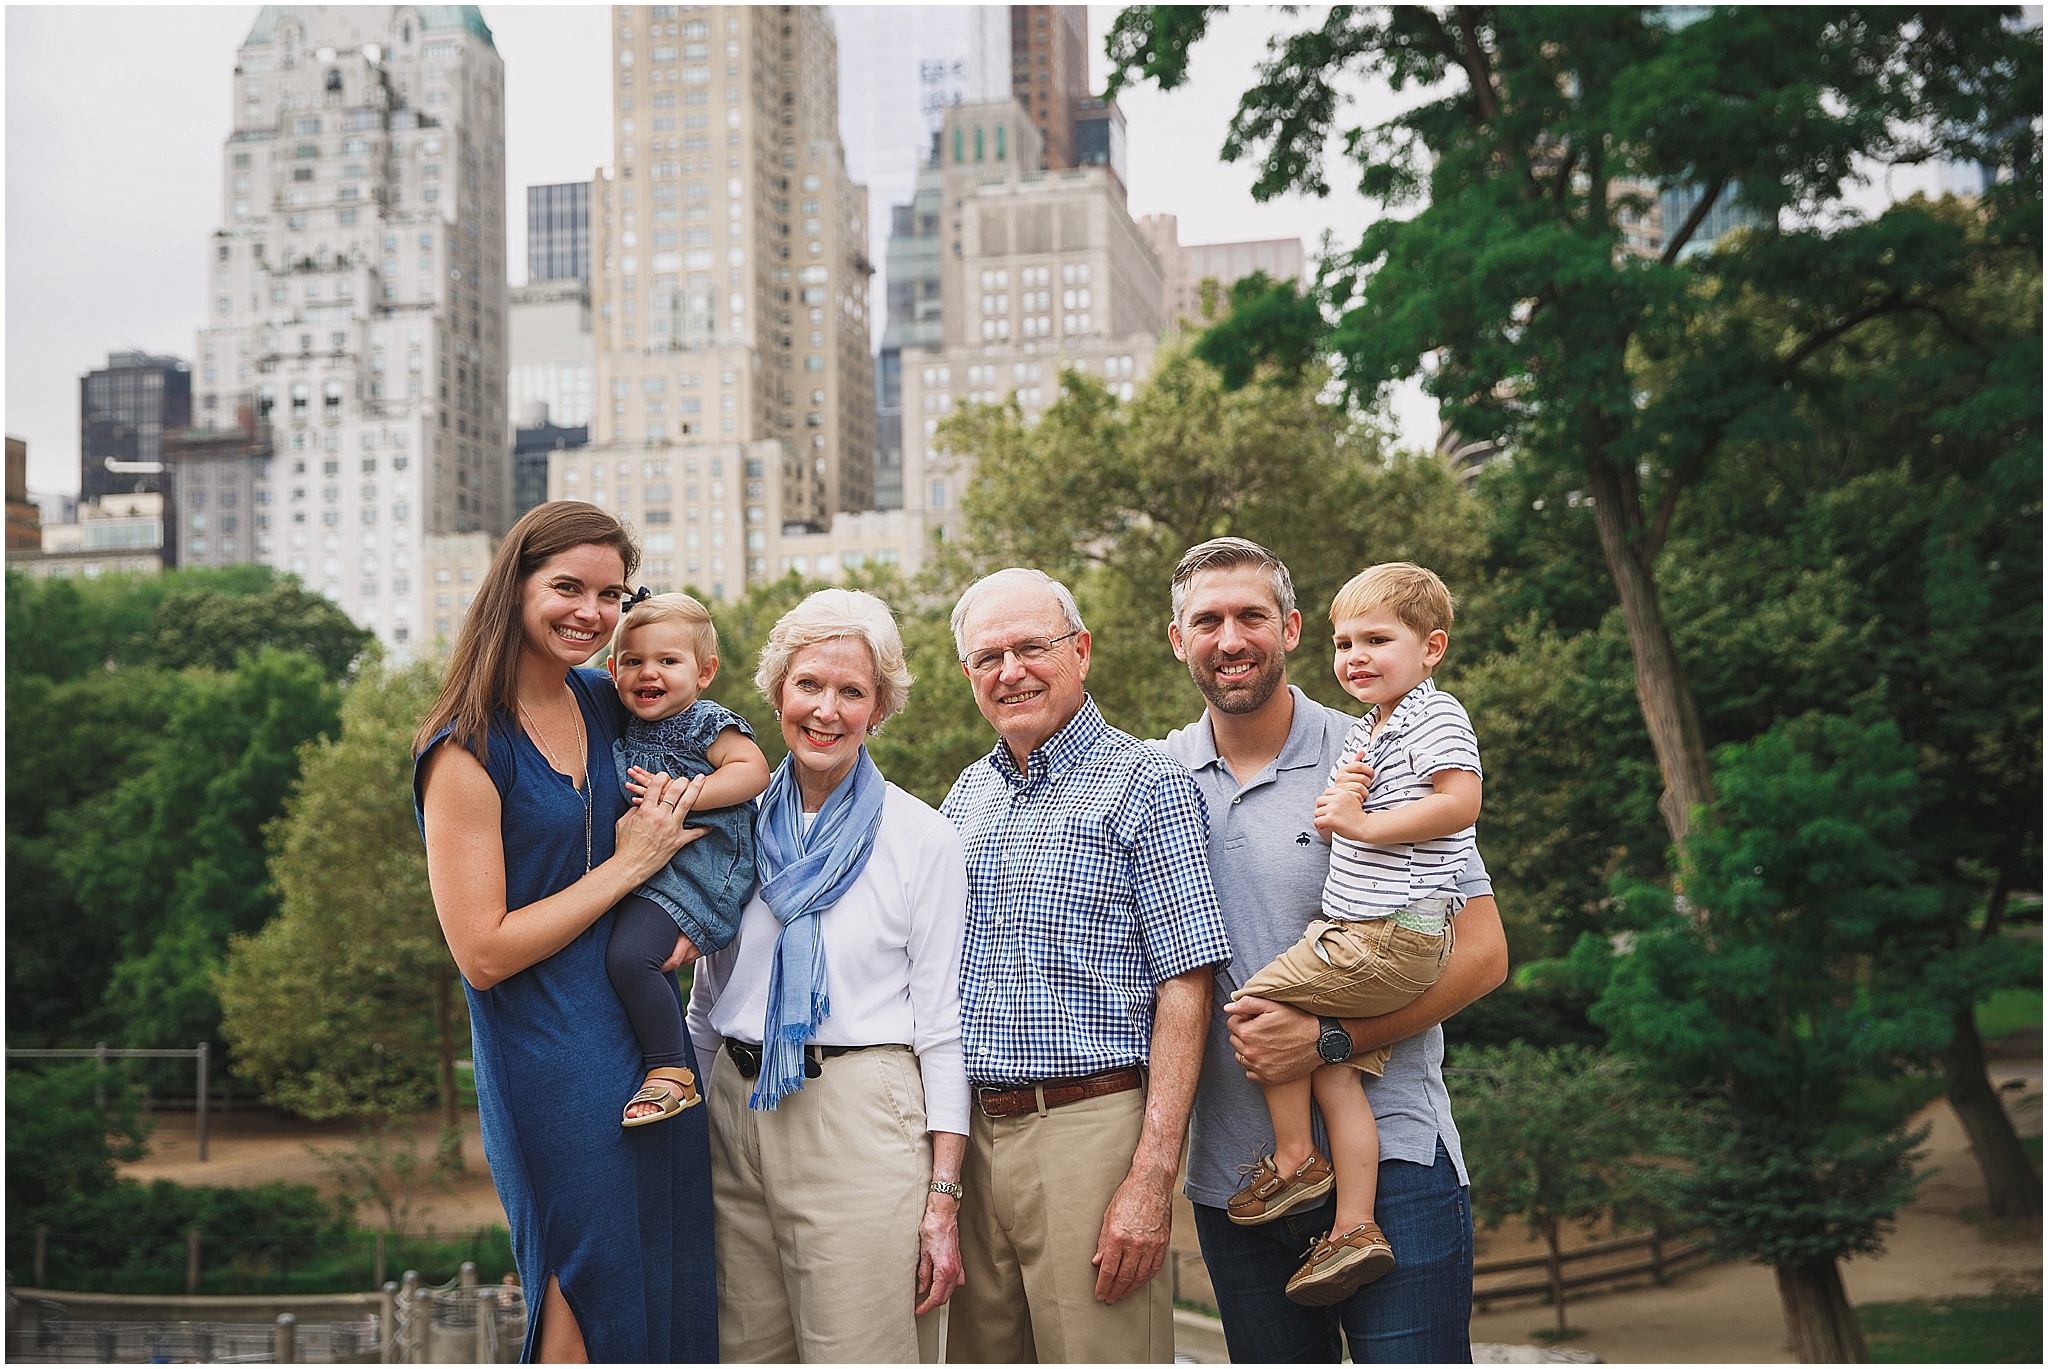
(1372, 968)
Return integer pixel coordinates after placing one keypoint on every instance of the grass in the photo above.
(2008, 1010)
(2004, 1328)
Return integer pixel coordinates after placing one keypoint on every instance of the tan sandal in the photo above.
(672, 1101)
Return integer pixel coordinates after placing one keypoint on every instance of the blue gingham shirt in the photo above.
(1087, 885)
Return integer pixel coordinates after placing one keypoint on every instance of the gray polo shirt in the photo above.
(1268, 863)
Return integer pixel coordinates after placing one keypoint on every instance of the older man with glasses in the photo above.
(1092, 937)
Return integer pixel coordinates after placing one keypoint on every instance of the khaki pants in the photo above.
(1366, 969)
(817, 1206)
(1037, 1187)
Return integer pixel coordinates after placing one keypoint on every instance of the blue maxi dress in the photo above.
(621, 1217)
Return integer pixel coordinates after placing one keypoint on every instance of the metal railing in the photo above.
(103, 1053)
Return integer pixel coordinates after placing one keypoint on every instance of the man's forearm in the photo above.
(1276, 1043)
(1180, 1026)
(1478, 964)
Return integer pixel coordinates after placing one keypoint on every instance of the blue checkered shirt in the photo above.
(1087, 885)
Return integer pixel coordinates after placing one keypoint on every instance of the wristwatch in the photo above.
(950, 1190)
(1334, 1044)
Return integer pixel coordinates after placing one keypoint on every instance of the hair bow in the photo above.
(638, 596)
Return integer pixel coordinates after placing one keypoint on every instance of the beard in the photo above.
(1247, 693)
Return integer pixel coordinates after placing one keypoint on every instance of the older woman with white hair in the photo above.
(838, 1097)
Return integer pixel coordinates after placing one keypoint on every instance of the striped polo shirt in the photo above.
(1427, 732)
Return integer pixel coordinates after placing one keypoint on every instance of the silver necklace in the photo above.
(583, 741)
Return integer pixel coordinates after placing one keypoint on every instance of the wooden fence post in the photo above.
(285, 1341)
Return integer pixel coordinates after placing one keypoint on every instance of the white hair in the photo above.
(828, 615)
(1014, 575)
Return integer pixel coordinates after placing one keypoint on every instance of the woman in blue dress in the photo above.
(529, 845)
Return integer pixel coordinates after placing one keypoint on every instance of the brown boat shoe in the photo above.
(1267, 1197)
(1340, 1265)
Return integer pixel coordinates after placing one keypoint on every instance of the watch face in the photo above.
(1334, 1045)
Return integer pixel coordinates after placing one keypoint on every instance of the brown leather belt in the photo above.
(1052, 1093)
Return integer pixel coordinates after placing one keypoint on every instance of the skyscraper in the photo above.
(731, 268)
(1049, 72)
(124, 409)
(558, 232)
(358, 294)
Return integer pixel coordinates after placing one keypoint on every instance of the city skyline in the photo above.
(99, 278)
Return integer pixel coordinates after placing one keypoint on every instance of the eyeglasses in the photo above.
(1030, 651)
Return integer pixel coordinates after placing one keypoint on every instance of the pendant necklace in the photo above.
(582, 740)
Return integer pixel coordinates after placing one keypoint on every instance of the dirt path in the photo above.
(1730, 1312)
(1725, 1313)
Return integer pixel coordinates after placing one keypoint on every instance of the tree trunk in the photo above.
(448, 1151)
(1670, 711)
(1555, 1268)
(2011, 1186)
(1824, 1330)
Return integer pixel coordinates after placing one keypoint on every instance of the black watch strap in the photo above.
(1334, 1044)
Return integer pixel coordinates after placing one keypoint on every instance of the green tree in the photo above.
(1791, 982)
(68, 743)
(172, 855)
(1106, 496)
(1556, 1137)
(347, 1002)
(60, 1142)
(61, 629)
(1538, 137)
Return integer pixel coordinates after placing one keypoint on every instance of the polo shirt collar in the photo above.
(1305, 740)
(1057, 753)
(1406, 711)
(1305, 744)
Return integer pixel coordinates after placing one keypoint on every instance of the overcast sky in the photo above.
(116, 117)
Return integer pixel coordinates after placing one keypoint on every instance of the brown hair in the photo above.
(670, 608)
(1416, 595)
(1228, 553)
(483, 670)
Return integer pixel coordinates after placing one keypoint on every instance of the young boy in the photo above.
(664, 654)
(1399, 815)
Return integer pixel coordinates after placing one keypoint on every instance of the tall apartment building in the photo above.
(558, 232)
(1038, 271)
(551, 353)
(216, 487)
(124, 410)
(24, 522)
(358, 296)
(915, 307)
(900, 67)
(731, 268)
(1049, 72)
(1187, 265)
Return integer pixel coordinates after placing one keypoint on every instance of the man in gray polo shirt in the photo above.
(1261, 753)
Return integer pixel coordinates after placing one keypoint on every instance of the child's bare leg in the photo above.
(1292, 1140)
(1354, 1142)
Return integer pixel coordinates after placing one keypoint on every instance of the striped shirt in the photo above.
(1427, 732)
(1087, 885)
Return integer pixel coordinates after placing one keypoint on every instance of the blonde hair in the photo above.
(483, 670)
(1416, 595)
(826, 616)
(670, 608)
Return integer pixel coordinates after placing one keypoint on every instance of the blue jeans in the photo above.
(1419, 1314)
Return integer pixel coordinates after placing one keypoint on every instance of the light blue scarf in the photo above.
(802, 874)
